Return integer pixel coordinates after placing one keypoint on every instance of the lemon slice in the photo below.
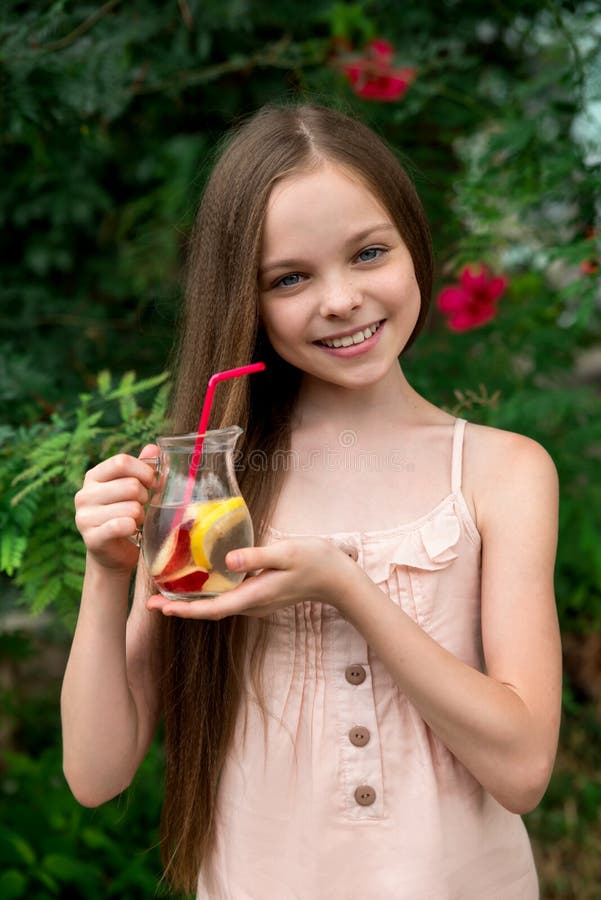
(218, 584)
(213, 522)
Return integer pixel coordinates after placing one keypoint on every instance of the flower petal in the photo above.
(495, 287)
(465, 320)
(461, 321)
(382, 88)
(373, 78)
(474, 277)
(451, 299)
(382, 49)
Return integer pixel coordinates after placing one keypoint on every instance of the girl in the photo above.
(368, 714)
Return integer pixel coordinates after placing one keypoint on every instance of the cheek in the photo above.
(414, 306)
(413, 302)
(401, 290)
(269, 320)
(414, 292)
(408, 289)
(280, 326)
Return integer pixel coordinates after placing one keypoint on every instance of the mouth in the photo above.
(357, 337)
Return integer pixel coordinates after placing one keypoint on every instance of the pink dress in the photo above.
(347, 794)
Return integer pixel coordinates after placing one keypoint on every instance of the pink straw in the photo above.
(204, 421)
(206, 409)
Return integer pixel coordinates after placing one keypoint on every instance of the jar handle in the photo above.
(155, 462)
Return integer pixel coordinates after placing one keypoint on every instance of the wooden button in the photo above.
(355, 674)
(359, 736)
(365, 795)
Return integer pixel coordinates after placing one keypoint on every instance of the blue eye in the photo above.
(289, 280)
(370, 253)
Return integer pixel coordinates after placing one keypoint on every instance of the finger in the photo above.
(279, 555)
(150, 455)
(157, 602)
(213, 608)
(347, 548)
(98, 515)
(150, 451)
(97, 538)
(107, 492)
(237, 601)
(122, 466)
(252, 559)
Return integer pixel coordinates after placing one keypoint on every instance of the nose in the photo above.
(339, 298)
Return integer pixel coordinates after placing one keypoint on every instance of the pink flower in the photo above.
(373, 77)
(473, 301)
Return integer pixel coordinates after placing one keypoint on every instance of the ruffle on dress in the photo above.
(429, 545)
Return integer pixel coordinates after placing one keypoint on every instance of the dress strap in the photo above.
(458, 433)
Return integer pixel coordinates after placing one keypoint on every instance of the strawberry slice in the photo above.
(189, 580)
(174, 553)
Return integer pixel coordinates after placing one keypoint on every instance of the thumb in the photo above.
(149, 451)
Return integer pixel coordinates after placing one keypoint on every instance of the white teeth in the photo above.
(356, 338)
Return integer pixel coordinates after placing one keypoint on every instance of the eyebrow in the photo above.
(353, 239)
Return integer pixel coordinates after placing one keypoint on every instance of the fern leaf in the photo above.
(104, 383)
(37, 483)
(130, 387)
(12, 549)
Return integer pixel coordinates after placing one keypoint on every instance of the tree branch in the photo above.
(70, 38)
(273, 55)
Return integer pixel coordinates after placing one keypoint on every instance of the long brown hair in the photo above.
(220, 329)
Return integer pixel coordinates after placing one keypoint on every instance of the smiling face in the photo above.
(338, 293)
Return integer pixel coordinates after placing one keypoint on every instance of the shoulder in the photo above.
(504, 470)
(488, 446)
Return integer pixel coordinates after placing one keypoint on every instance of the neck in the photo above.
(391, 398)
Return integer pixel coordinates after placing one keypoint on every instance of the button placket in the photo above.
(357, 728)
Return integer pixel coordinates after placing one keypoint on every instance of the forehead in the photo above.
(329, 194)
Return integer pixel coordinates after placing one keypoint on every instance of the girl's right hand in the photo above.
(110, 508)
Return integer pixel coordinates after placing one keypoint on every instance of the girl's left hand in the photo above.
(291, 571)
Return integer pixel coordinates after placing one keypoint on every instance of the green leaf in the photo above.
(70, 871)
(12, 884)
(12, 549)
(24, 851)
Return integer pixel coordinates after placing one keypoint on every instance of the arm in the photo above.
(502, 725)
(109, 702)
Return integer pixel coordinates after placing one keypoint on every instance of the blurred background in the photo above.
(109, 116)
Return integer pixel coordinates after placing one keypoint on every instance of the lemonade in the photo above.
(187, 559)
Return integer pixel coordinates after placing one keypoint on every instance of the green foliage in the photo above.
(111, 113)
(41, 468)
(566, 826)
(52, 847)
